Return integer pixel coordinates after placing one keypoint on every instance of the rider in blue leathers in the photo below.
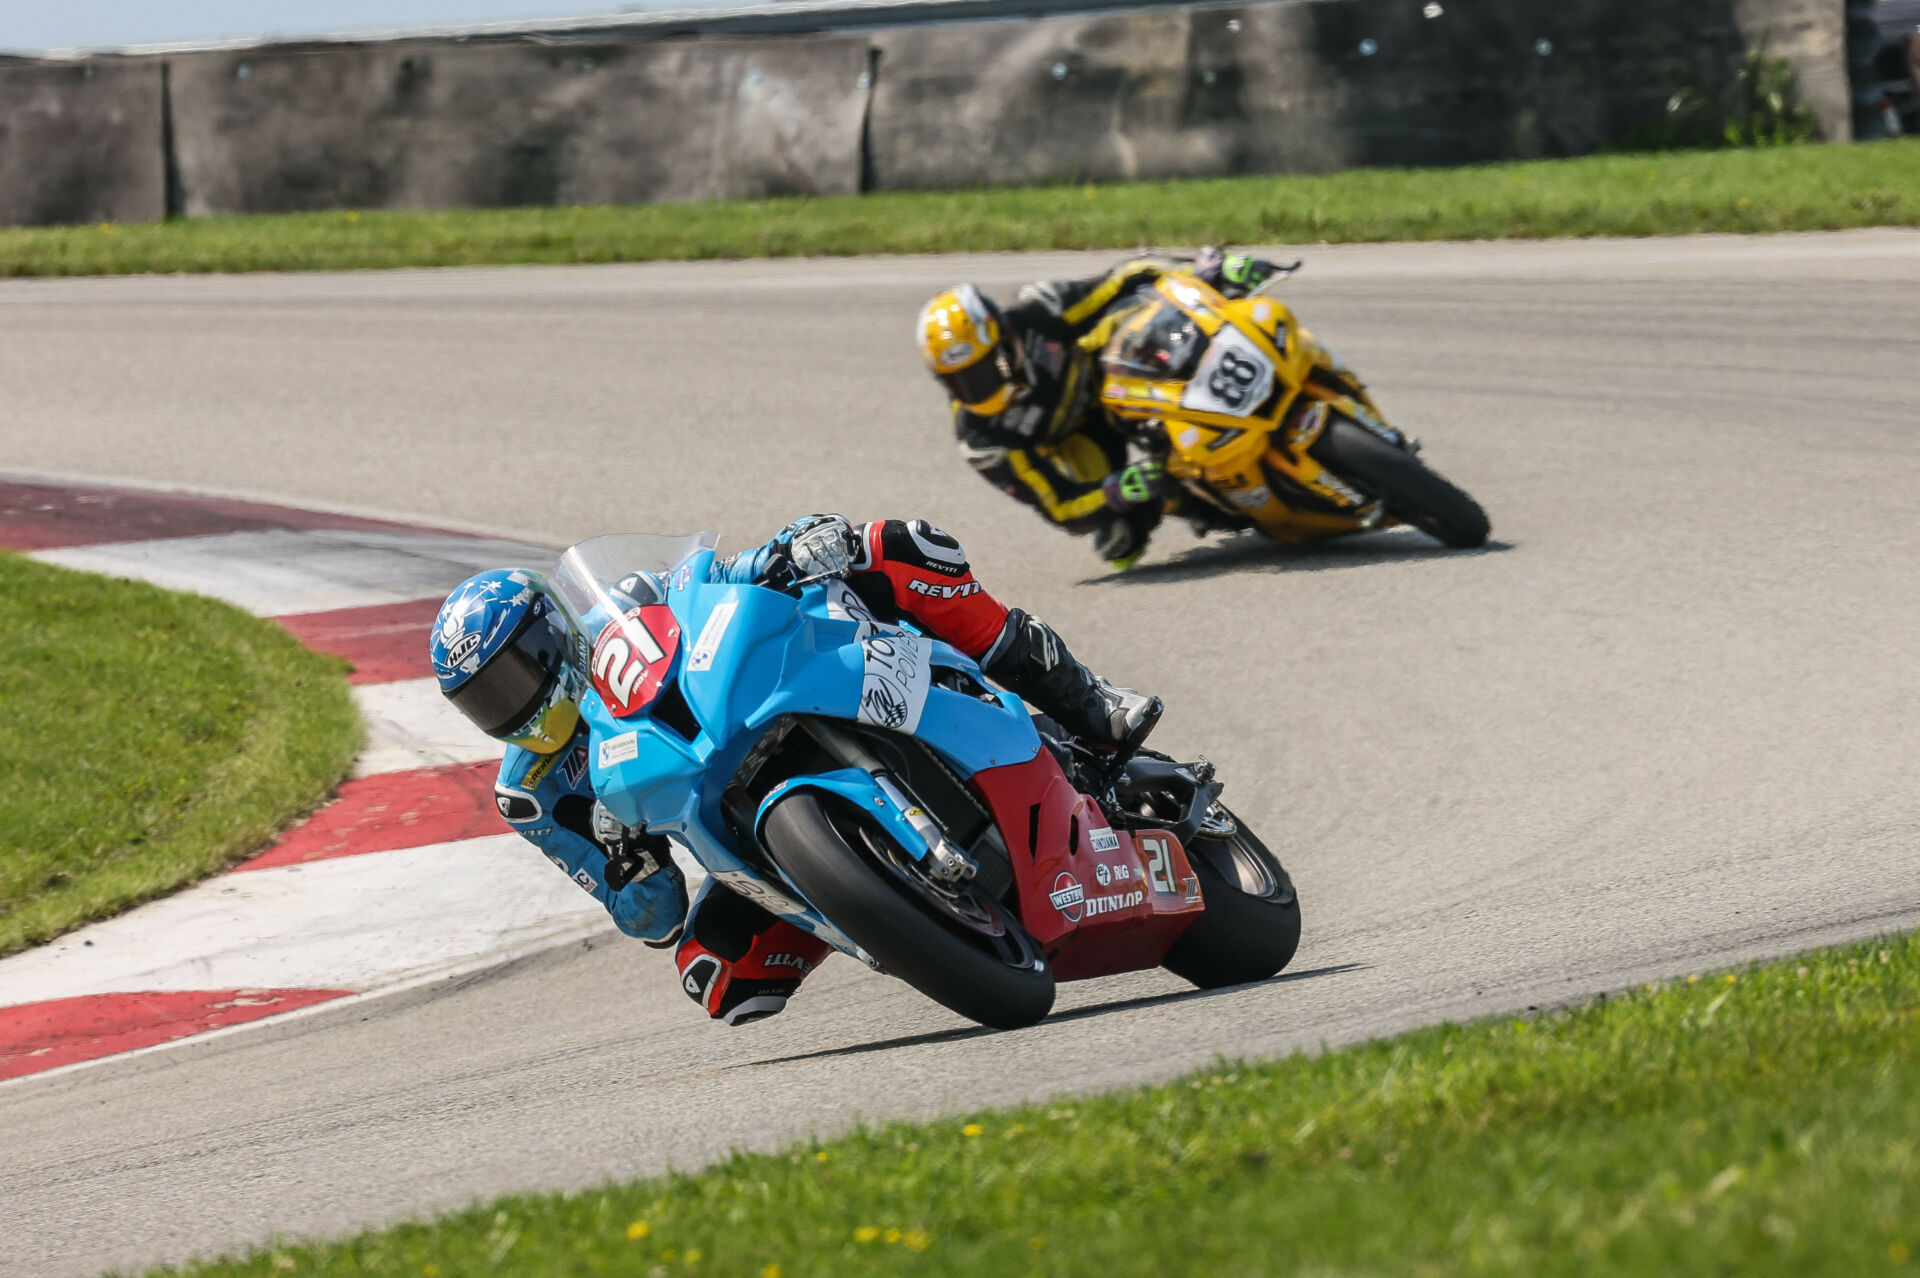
(511, 660)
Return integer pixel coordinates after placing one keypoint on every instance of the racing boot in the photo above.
(1030, 660)
(739, 961)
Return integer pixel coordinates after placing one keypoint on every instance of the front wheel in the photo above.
(957, 945)
(1251, 926)
(1410, 491)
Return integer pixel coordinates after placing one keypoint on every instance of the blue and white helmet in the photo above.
(507, 656)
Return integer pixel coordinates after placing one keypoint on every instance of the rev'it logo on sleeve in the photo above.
(937, 591)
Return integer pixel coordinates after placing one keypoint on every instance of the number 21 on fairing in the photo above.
(1159, 862)
(632, 656)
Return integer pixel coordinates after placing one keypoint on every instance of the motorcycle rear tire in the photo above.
(904, 937)
(1412, 493)
(1251, 928)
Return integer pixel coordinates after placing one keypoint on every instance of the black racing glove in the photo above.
(632, 852)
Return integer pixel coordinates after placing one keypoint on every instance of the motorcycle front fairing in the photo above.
(669, 736)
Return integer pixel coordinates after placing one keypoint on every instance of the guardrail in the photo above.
(853, 95)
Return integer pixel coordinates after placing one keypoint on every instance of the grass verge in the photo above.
(148, 739)
(1766, 1121)
(1793, 188)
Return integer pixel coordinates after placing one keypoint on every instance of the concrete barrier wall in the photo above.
(444, 125)
(1282, 86)
(81, 142)
(1317, 85)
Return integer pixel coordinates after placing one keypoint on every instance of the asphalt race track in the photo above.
(1670, 719)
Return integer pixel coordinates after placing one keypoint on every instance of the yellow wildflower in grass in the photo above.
(1693, 980)
(1036, 1242)
(891, 1237)
(769, 1271)
(430, 1271)
(639, 1231)
(820, 1157)
(916, 1239)
(353, 216)
(972, 1129)
(693, 1255)
(1897, 1253)
(865, 1234)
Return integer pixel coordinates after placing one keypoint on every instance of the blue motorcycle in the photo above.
(866, 782)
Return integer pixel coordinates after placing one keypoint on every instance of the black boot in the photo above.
(1031, 661)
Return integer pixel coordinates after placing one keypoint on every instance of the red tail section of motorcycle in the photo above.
(1097, 899)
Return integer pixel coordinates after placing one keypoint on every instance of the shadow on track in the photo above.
(1248, 552)
(1075, 1014)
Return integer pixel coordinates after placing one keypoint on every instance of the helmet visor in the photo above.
(508, 691)
(981, 380)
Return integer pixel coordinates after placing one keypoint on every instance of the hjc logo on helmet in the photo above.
(461, 650)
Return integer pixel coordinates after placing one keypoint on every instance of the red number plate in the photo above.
(632, 656)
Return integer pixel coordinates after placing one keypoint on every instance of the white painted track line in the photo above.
(410, 725)
(358, 922)
(278, 572)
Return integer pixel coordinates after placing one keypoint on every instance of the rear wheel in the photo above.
(1411, 492)
(957, 945)
(1251, 926)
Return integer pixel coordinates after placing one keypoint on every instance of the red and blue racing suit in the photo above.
(736, 959)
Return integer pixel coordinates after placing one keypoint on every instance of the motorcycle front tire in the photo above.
(907, 939)
(1412, 493)
(1251, 926)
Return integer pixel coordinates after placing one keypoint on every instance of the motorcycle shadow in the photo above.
(1070, 1014)
(1249, 552)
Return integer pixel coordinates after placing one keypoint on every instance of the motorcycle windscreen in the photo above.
(620, 571)
(1164, 345)
(615, 588)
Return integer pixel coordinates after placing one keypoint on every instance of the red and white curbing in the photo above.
(408, 876)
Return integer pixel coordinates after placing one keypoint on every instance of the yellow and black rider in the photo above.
(1025, 385)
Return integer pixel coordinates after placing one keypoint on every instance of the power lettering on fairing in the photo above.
(898, 672)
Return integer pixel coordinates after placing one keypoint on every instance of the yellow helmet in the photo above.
(959, 333)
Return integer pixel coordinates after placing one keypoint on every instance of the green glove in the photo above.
(1246, 270)
(1137, 485)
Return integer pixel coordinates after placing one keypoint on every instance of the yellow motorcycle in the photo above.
(1262, 425)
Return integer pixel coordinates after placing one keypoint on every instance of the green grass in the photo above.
(1760, 1122)
(148, 739)
(1795, 188)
